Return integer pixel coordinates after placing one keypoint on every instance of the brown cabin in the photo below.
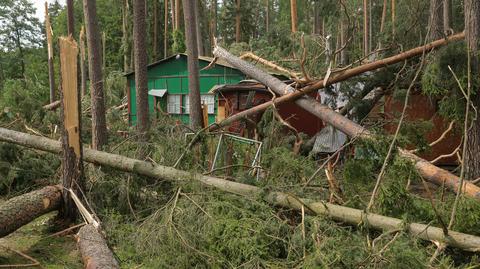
(425, 108)
(247, 94)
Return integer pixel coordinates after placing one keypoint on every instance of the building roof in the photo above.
(178, 55)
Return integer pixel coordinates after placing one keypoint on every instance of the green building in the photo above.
(168, 86)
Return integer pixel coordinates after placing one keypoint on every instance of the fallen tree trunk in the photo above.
(94, 249)
(52, 106)
(428, 171)
(22, 209)
(336, 212)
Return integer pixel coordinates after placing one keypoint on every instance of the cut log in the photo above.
(336, 212)
(52, 106)
(428, 171)
(22, 209)
(94, 249)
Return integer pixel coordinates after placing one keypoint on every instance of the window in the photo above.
(173, 103)
(206, 99)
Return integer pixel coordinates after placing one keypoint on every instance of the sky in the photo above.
(40, 6)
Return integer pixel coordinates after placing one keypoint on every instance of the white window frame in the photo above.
(208, 99)
(174, 104)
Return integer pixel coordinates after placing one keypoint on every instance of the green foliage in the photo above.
(178, 42)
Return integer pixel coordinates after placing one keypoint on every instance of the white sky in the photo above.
(40, 6)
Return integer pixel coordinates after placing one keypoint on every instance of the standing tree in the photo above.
(366, 50)
(99, 122)
(435, 22)
(51, 70)
(237, 21)
(165, 29)
(447, 16)
(155, 29)
(19, 28)
(140, 52)
(198, 28)
(196, 118)
(70, 18)
(293, 15)
(472, 32)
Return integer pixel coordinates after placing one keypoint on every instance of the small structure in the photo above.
(235, 98)
(168, 86)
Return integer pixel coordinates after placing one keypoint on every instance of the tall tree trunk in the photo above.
(447, 16)
(51, 70)
(177, 14)
(267, 16)
(83, 58)
(384, 15)
(99, 122)
(436, 20)
(366, 49)
(198, 29)
(70, 18)
(393, 18)
(155, 29)
(293, 15)
(472, 32)
(165, 29)
(237, 22)
(196, 116)
(125, 36)
(343, 32)
(72, 164)
(139, 39)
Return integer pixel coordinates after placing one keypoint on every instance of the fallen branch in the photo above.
(267, 63)
(339, 213)
(22, 209)
(94, 249)
(34, 263)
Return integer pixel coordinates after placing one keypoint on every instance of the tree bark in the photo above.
(51, 70)
(99, 121)
(472, 32)
(196, 119)
(72, 165)
(70, 18)
(237, 22)
(83, 56)
(339, 213)
(94, 249)
(198, 28)
(23, 209)
(436, 20)
(139, 38)
(427, 170)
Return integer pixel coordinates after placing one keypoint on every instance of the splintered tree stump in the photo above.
(94, 249)
(23, 209)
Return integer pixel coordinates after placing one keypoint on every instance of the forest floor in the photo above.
(35, 241)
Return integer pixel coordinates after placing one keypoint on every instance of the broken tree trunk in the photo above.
(70, 114)
(22, 209)
(339, 213)
(428, 171)
(94, 249)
